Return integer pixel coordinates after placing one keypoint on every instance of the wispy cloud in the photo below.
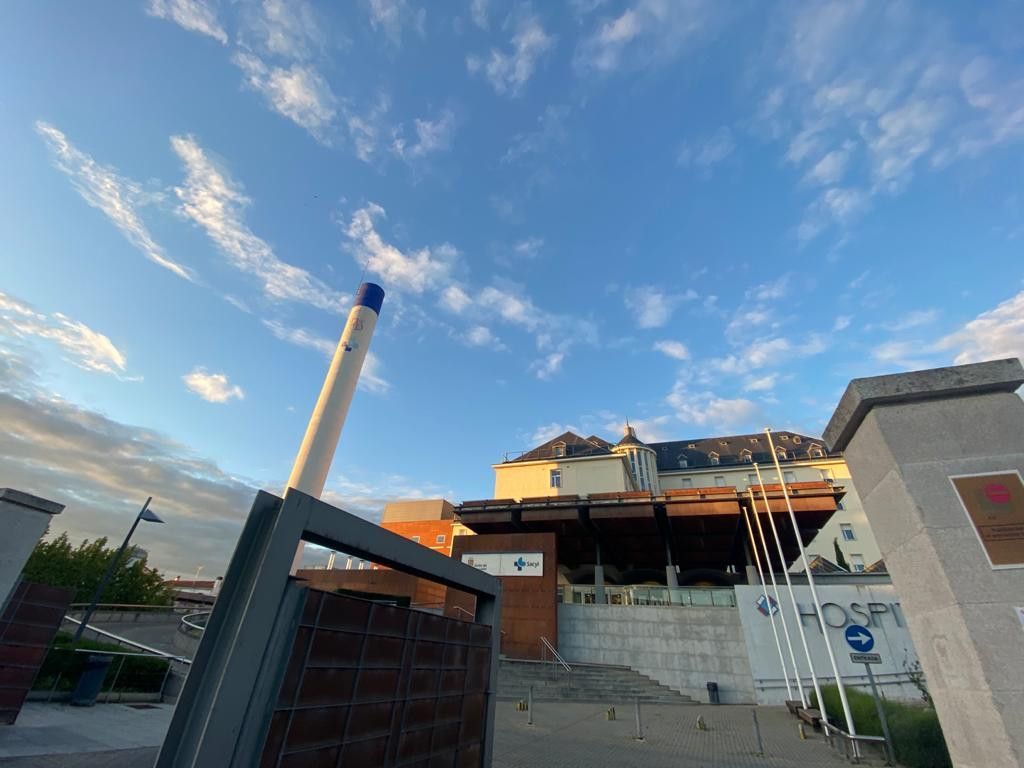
(551, 131)
(652, 307)
(674, 349)
(705, 154)
(455, 299)
(298, 92)
(431, 136)
(992, 335)
(709, 410)
(193, 15)
(287, 28)
(116, 196)
(212, 387)
(842, 323)
(482, 336)
(390, 16)
(548, 365)
(914, 319)
(478, 10)
(413, 271)
(85, 347)
(216, 203)
(762, 383)
(370, 379)
(772, 290)
(550, 431)
(509, 72)
(647, 32)
(366, 128)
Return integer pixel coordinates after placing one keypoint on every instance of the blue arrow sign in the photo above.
(859, 638)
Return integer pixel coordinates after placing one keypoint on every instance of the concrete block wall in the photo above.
(681, 647)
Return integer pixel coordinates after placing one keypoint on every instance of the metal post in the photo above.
(113, 683)
(757, 733)
(890, 753)
(639, 726)
(529, 706)
(851, 728)
(110, 572)
(163, 684)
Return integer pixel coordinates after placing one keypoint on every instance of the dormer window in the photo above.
(723, 442)
(784, 437)
(815, 452)
(754, 441)
(780, 452)
(692, 445)
(746, 456)
(796, 439)
(559, 450)
(713, 457)
(683, 463)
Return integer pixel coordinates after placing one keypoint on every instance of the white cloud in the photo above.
(215, 202)
(761, 384)
(830, 168)
(212, 387)
(708, 153)
(299, 93)
(914, 319)
(391, 15)
(509, 72)
(288, 28)
(455, 299)
(842, 323)
(193, 15)
(550, 431)
(366, 129)
(653, 307)
(992, 335)
(706, 409)
(515, 309)
(770, 291)
(648, 31)
(481, 336)
(768, 351)
(370, 378)
(653, 430)
(528, 248)
(415, 271)
(431, 136)
(839, 206)
(674, 349)
(548, 366)
(85, 347)
(103, 188)
(478, 11)
(905, 354)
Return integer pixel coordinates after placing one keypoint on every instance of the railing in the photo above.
(194, 623)
(557, 666)
(146, 649)
(706, 597)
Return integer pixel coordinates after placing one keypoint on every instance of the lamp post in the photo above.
(144, 514)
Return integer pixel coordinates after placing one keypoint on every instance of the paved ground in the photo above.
(563, 736)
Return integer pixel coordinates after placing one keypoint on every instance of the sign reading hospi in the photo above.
(507, 563)
(994, 503)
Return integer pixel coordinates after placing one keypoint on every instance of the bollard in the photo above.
(757, 733)
(701, 725)
(529, 706)
(639, 726)
(800, 730)
(610, 714)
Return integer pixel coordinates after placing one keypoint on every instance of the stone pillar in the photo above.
(904, 437)
(671, 577)
(23, 519)
(599, 595)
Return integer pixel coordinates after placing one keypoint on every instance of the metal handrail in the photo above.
(557, 656)
(132, 643)
(124, 606)
(188, 620)
(460, 609)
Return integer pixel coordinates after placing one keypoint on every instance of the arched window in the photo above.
(746, 456)
(815, 452)
(713, 457)
(683, 461)
(780, 452)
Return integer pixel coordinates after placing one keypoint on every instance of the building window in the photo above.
(440, 538)
(789, 477)
(847, 531)
(784, 437)
(556, 478)
(692, 445)
(826, 475)
(719, 481)
(683, 463)
(796, 440)
(781, 453)
(416, 539)
(745, 456)
(713, 457)
(568, 450)
(686, 483)
(857, 563)
(559, 449)
(815, 452)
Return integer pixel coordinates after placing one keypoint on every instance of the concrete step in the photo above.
(586, 682)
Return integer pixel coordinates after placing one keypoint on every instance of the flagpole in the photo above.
(792, 596)
(768, 598)
(851, 728)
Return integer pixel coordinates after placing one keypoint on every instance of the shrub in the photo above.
(62, 667)
(916, 734)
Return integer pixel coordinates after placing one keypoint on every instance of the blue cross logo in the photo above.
(520, 563)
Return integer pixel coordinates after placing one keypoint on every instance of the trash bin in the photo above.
(713, 693)
(91, 682)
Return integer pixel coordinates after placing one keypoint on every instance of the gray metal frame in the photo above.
(224, 709)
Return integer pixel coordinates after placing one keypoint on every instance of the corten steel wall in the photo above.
(30, 620)
(375, 685)
(529, 609)
(427, 531)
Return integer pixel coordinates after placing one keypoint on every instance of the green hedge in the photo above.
(916, 735)
(63, 666)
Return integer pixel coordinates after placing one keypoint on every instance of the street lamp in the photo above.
(144, 514)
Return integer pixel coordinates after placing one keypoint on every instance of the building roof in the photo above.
(821, 564)
(877, 567)
(630, 438)
(732, 449)
(575, 447)
(729, 449)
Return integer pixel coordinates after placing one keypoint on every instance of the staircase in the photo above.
(586, 682)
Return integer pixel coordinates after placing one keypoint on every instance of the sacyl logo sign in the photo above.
(506, 563)
(767, 605)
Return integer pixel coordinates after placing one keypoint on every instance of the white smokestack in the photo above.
(317, 450)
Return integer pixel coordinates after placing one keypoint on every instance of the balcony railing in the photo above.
(702, 597)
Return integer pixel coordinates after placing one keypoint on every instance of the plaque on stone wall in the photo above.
(994, 503)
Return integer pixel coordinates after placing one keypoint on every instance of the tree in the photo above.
(840, 557)
(59, 564)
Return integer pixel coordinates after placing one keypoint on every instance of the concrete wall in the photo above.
(682, 648)
(23, 519)
(603, 474)
(419, 509)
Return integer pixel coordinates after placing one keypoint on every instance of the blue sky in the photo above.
(706, 217)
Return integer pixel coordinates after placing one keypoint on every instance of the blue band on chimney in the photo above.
(370, 295)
